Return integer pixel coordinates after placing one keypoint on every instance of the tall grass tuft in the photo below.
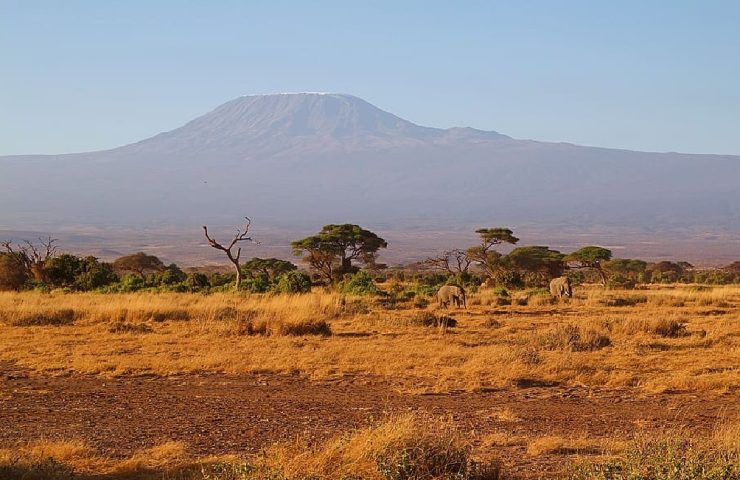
(665, 459)
(403, 448)
(56, 318)
(573, 338)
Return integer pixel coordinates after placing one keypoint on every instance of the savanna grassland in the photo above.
(266, 386)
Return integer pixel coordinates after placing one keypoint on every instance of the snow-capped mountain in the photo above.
(310, 158)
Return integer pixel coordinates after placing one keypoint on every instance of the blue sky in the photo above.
(650, 75)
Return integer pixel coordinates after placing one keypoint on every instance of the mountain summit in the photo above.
(271, 123)
(306, 159)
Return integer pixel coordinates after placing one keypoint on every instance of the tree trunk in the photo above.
(346, 265)
(238, 274)
(602, 274)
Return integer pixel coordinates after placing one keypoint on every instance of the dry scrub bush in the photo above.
(278, 328)
(573, 338)
(712, 302)
(155, 314)
(65, 316)
(629, 301)
(672, 458)
(429, 319)
(664, 327)
(527, 355)
(563, 446)
(541, 299)
(667, 301)
(158, 458)
(21, 467)
(417, 319)
(488, 297)
(127, 327)
(43, 461)
(492, 323)
(409, 447)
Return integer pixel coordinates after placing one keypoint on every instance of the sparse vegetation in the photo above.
(691, 348)
(54, 318)
(379, 325)
(666, 459)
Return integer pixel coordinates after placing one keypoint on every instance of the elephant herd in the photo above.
(452, 295)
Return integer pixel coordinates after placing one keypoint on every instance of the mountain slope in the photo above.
(306, 159)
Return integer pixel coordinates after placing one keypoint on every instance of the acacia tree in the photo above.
(270, 268)
(539, 263)
(451, 261)
(625, 271)
(484, 254)
(591, 257)
(333, 250)
(667, 272)
(32, 256)
(139, 263)
(240, 236)
(13, 273)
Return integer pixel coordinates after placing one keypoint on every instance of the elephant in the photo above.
(451, 294)
(560, 287)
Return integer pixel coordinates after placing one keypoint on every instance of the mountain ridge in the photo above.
(329, 157)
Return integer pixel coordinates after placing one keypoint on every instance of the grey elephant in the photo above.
(451, 294)
(560, 287)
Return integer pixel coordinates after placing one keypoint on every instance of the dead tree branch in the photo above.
(242, 235)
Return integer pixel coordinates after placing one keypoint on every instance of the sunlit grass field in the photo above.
(675, 338)
(668, 338)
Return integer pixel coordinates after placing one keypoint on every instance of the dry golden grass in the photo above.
(563, 446)
(727, 436)
(68, 460)
(410, 446)
(653, 345)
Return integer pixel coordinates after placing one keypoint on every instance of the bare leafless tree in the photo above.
(452, 261)
(34, 256)
(240, 236)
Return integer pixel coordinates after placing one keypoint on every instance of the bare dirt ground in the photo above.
(218, 414)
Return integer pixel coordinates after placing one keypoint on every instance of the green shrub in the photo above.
(197, 281)
(130, 283)
(293, 282)
(509, 279)
(501, 292)
(221, 279)
(62, 271)
(256, 284)
(94, 275)
(361, 283)
(421, 290)
(171, 275)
